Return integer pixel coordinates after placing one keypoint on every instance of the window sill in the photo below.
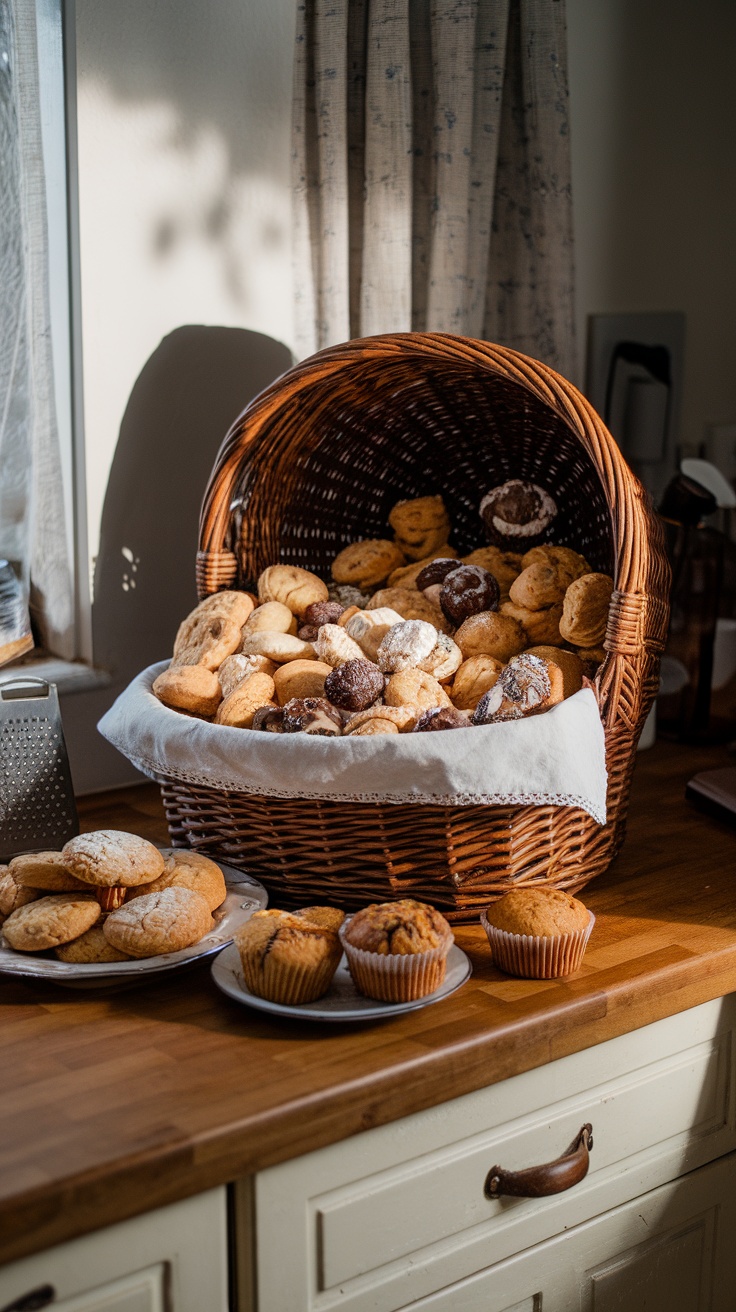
(69, 676)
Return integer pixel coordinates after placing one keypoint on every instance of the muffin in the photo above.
(397, 951)
(287, 958)
(539, 933)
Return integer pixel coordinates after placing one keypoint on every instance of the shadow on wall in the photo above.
(182, 405)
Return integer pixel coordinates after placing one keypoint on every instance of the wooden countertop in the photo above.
(111, 1104)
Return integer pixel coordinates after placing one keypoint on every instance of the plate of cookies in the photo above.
(319, 964)
(111, 908)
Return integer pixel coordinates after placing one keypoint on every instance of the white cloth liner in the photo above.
(555, 759)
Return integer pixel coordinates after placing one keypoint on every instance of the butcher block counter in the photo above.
(115, 1104)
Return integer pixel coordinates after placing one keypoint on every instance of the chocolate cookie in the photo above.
(323, 612)
(269, 719)
(517, 513)
(312, 715)
(435, 572)
(467, 590)
(441, 717)
(354, 686)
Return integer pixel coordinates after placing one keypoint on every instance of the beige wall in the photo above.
(653, 129)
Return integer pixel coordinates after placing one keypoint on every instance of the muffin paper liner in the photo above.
(397, 977)
(538, 956)
(290, 983)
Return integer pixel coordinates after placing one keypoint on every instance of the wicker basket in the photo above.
(317, 461)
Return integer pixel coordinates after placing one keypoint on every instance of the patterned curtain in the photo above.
(431, 159)
(33, 531)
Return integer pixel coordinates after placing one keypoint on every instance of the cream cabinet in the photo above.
(173, 1259)
(398, 1217)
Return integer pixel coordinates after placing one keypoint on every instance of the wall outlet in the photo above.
(637, 390)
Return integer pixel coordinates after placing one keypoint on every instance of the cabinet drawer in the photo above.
(171, 1260)
(398, 1211)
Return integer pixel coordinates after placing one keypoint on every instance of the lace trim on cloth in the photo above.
(555, 759)
(159, 774)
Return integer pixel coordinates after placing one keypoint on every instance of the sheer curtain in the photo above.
(32, 518)
(431, 170)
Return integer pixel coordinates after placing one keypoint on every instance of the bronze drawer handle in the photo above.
(551, 1178)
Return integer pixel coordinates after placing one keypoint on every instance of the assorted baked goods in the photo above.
(395, 951)
(538, 932)
(404, 623)
(108, 896)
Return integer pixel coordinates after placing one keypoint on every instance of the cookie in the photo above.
(162, 922)
(491, 634)
(312, 715)
(347, 595)
(188, 688)
(441, 717)
(205, 640)
(187, 869)
(300, 679)
(49, 921)
(421, 526)
(377, 724)
(474, 678)
(503, 565)
(269, 719)
(435, 571)
(354, 686)
(542, 627)
(585, 610)
(415, 688)
(410, 605)
(323, 612)
(538, 586)
(406, 576)
(235, 669)
(404, 717)
(44, 870)
(238, 709)
(444, 659)
(229, 605)
(591, 658)
(295, 587)
(366, 564)
(278, 647)
(405, 645)
(369, 628)
(467, 590)
(13, 894)
(334, 645)
(568, 662)
(91, 948)
(271, 617)
(517, 513)
(570, 565)
(110, 858)
(526, 686)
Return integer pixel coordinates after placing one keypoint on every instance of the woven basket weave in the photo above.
(317, 461)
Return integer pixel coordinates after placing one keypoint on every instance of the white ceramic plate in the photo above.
(244, 896)
(342, 1002)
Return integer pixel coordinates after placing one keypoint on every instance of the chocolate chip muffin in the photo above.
(397, 951)
(288, 958)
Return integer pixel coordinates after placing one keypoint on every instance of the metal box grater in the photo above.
(37, 807)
